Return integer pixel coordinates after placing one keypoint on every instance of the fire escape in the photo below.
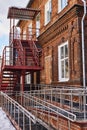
(22, 55)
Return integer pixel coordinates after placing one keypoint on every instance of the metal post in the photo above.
(71, 101)
(18, 117)
(68, 124)
(30, 124)
(23, 80)
(51, 95)
(14, 111)
(23, 121)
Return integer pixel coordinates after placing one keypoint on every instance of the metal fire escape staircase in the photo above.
(25, 57)
(22, 54)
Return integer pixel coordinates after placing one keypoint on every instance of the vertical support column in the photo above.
(22, 81)
(32, 77)
(32, 80)
(38, 77)
(10, 32)
(13, 28)
(22, 85)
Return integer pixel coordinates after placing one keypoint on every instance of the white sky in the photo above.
(4, 22)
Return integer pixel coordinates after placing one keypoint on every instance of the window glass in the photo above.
(30, 31)
(62, 52)
(66, 69)
(61, 4)
(66, 50)
(37, 25)
(62, 68)
(48, 9)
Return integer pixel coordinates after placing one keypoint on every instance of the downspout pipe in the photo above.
(83, 57)
(83, 50)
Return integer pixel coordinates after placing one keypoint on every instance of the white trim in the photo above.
(59, 63)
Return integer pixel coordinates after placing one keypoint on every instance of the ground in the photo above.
(5, 124)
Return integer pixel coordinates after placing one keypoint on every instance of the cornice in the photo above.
(61, 24)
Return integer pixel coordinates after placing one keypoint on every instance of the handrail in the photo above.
(35, 52)
(20, 51)
(49, 106)
(70, 99)
(14, 103)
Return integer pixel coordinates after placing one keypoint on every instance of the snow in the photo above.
(5, 123)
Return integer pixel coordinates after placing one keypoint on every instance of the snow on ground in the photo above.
(5, 123)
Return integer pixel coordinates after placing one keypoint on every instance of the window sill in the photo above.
(63, 80)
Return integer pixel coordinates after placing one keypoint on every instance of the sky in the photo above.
(4, 22)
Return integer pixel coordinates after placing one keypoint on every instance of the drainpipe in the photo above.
(83, 51)
(83, 58)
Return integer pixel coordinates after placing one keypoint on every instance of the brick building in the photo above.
(53, 26)
(60, 39)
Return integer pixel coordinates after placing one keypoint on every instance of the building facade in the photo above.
(59, 34)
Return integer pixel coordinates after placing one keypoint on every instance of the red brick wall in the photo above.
(72, 34)
(53, 34)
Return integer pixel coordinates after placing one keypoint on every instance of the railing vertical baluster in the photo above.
(51, 95)
(60, 98)
(14, 111)
(23, 121)
(30, 124)
(71, 102)
(18, 116)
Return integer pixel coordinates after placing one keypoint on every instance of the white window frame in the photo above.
(60, 62)
(61, 6)
(48, 10)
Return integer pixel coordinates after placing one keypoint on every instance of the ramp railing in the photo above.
(18, 113)
(73, 100)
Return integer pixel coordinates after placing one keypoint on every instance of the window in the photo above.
(28, 78)
(30, 31)
(63, 62)
(24, 35)
(37, 25)
(61, 4)
(48, 10)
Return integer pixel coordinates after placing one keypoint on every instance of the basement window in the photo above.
(48, 10)
(61, 4)
(63, 62)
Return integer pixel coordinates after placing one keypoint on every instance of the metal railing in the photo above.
(73, 100)
(43, 111)
(19, 58)
(29, 34)
(48, 103)
(46, 106)
(17, 112)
